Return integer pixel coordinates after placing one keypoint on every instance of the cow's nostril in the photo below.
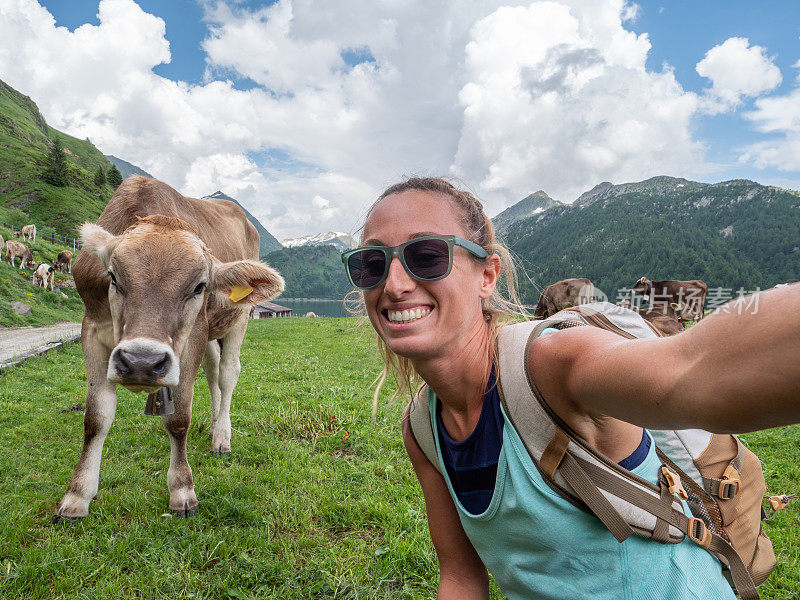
(160, 368)
(121, 362)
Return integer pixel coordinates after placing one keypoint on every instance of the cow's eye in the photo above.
(199, 288)
(113, 279)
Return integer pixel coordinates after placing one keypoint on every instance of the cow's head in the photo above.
(642, 287)
(160, 277)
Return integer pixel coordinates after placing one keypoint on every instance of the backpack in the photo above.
(721, 480)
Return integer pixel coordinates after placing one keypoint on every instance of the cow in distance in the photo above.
(17, 249)
(44, 274)
(27, 233)
(64, 261)
(563, 294)
(689, 295)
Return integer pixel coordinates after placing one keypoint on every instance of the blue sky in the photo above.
(682, 31)
(305, 111)
(185, 31)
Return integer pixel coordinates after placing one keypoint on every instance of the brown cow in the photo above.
(691, 295)
(27, 233)
(167, 283)
(14, 249)
(64, 261)
(666, 325)
(563, 294)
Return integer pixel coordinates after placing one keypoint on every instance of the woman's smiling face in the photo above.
(419, 319)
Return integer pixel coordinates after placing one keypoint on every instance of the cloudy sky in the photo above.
(305, 109)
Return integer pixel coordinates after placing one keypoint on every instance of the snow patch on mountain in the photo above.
(340, 239)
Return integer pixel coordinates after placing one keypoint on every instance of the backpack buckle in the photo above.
(729, 485)
(777, 503)
(674, 483)
(728, 489)
(698, 531)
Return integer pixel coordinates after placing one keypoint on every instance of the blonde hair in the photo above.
(478, 229)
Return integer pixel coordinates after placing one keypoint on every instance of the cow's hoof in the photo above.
(71, 508)
(57, 518)
(186, 511)
(221, 450)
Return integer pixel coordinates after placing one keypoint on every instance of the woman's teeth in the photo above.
(406, 316)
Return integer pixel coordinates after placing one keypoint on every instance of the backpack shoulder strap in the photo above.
(418, 415)
(623, 501)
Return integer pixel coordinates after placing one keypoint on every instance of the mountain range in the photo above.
(125, 168)
(268, 241)
(534, 204)
(733, 235)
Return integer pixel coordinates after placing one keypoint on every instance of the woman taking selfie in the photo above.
(429, 266)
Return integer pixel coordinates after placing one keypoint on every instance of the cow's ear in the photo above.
(245, 281)
(98, 242)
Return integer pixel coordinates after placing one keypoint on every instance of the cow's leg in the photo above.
(211, 368)
(182, 499)
(101, 404)
(229, 369)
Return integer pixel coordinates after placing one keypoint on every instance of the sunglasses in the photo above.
(427, 258)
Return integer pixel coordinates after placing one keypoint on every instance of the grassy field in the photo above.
(46, 307)
(314, 502)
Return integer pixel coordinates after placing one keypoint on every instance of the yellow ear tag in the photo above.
(238, 292)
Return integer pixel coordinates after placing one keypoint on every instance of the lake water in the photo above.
(321, 308)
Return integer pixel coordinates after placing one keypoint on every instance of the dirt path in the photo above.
(19, 343)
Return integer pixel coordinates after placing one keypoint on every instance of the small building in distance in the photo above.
(268, 310)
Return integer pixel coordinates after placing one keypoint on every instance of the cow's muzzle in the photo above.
(143, 365)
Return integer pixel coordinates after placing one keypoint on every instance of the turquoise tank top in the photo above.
(537, 545)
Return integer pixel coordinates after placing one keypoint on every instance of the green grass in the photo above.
(47, 307)
(314, 501)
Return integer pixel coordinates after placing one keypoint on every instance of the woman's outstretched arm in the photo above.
(737, 370)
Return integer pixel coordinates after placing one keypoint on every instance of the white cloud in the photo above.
(559, 99)
(555, 96)
(300, 208)
(631, 12)
(736, 70)
(266, 51)
(779, 116)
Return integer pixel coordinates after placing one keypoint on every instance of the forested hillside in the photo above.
(734, 234)
(311, 272)
(47, 177)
